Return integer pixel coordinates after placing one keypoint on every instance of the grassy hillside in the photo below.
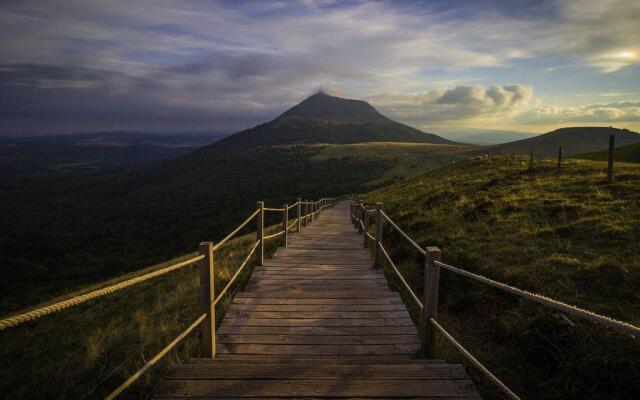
(630, 154)
(574, 140)
(88, 350)
(404, 159)
(573, 238)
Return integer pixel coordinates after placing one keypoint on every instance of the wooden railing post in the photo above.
(378, 259)
(366, 228)
(285, 222)
(207, 295)
(612, 139)
(430, 299)
(299, 214)
(260, 234)
(306, 213)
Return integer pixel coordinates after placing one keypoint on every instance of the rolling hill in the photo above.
(629, 153)
(573, 238)
(574, 140)
(327, 119)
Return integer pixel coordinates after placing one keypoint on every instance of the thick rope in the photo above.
(274, 235)
(155, 359)
(242, 225)
(573, 310)
(274, 209)
(474, 361)
(40, 312)
(414, 244)
(233, 278)
(406, 285)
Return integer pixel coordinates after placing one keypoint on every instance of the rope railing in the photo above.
(549, 302)
(403, 233)
(155, 359)
(238, 271)
(274, 209)
(474, 361)
(436, 264)
(267, 237)
(73, 301)
(242, 225)
(399, 275)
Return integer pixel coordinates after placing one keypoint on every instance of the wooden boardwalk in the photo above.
(318, 321)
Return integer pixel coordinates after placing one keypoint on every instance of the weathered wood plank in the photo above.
(317, 340)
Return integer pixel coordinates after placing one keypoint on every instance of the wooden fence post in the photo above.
(361, 218)
(531, 160)
(366, 229)
(612, 139)
(285, 222)
(207, 295)
(378, 257)
(559, 159)
(306, 213)
(299, 214)
(260, 233)
(430, 299)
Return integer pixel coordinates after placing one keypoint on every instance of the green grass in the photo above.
(573, 238)
(88, 350)
(406, 159)
(629, 154)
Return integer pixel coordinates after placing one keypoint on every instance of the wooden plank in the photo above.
(318, 349)
(318, 294)
(297, 371)
(318, 314)
(316, 387)
(320, 307)
(239, 299)
(318, 322)
(316, 330)
(317, 360)
(308, 339)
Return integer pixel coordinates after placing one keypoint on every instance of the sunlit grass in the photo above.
(573, 238)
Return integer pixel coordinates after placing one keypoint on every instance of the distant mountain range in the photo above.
(322, 118)
(91, 151)
(573, 140)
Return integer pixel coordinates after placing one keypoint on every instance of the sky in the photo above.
(222, 66)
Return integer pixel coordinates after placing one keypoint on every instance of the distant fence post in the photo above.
(360, 217)
(430, 299)
(559, 160)
(207, 295)
(531, 160)
(299, 214)
(285, 222)
(378, 235)
(612, 139)
(260, 233)
(365, 222)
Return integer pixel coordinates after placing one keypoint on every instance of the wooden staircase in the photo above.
(318, 321)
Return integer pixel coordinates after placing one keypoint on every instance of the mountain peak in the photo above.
(335, 109)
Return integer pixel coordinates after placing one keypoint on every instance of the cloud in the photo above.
(628, 111)
(459, 103)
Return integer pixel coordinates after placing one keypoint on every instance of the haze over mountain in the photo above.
(483, 136)
(574, 140)
(322, 118)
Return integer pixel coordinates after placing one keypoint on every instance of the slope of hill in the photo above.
(574, 140)
(573, 238)
(327, 119)
(629, 153)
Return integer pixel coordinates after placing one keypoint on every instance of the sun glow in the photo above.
(625, 55)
